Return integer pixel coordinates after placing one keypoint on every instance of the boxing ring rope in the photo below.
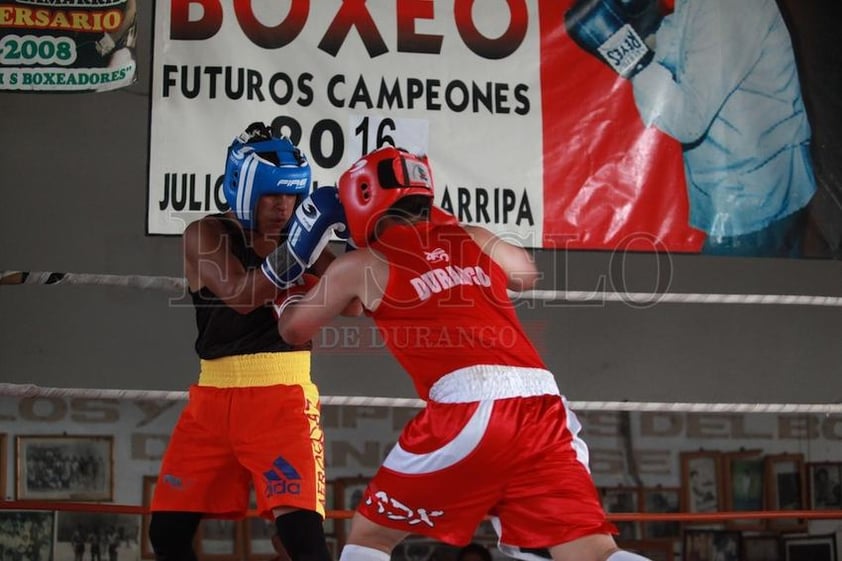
(178, 284)
(690, 517)
(31, 390)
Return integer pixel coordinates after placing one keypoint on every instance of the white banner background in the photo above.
(483, 159)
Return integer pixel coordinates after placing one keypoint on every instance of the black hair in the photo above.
(259, 132)
(412, 206)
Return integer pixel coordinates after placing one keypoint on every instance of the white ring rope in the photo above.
(31, 390)
(176, 284)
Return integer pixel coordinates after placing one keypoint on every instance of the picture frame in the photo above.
(3, 469)
(654, 550)
(785, 489)
(148, 489)
(219, 539)
(258, 534)
(330, 504)
(762, 548)
(711, 545)
(352, 490)
(30, 531)
(701, 481)
(416, 548)
(744, 486)
(621, 499)
(115, 535)
(825, 483)
(332, 547)
(810, 548)
(349, 492)
(65, 467)
(661, 500)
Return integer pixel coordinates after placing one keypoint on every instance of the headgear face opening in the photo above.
(249, 176)
(376, 182)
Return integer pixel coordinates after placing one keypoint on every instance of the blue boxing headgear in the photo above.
(249, 173)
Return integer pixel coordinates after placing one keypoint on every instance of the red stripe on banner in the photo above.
(609, 182)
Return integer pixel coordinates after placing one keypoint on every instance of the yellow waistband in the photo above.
(261, 369)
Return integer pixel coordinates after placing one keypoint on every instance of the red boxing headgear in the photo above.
(377, 181)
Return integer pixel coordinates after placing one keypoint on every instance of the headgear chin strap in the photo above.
(249, 175)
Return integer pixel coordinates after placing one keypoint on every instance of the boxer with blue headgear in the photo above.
(253, 413)
(259, 164)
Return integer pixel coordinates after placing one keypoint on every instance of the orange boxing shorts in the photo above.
(251, 419)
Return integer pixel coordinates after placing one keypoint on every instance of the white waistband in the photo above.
(491, 381)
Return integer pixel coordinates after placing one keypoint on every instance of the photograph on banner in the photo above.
(68, 46)
(538, 127)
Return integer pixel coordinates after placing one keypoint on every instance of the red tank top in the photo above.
(445, 306)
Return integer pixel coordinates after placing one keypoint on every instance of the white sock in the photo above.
(353, 552)
(626, 556)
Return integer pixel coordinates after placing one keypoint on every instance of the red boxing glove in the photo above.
(294, 293)
(441, 217)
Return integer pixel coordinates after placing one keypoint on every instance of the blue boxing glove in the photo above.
(614, 31)
(319, 216)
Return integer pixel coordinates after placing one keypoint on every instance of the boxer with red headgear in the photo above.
(496, 436)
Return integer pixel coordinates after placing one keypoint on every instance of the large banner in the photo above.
(571, 124)
(67, 45)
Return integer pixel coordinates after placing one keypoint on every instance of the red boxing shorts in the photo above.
(233, 433)
(518, 459)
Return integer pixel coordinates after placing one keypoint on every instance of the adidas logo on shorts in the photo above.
(282, 479)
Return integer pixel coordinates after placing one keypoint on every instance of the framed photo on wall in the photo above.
(330, 504)
(352, 491)
(146, 551)
(661, 500)
(712, 545)
(332, 547)
(810, 548)
(744, 489)
(116, 535)
(762, 548)
(619, 500)
(258, 539)
(28, 533)
(219, 540)
(65, 468)
(825, 483)
(701, 480)
(349, 492)
(258, 533)
(3, 459)
(655, 550)
(785, 489)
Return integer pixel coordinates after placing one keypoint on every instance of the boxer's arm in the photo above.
(209, 263)
(342, 288)
(516, 261)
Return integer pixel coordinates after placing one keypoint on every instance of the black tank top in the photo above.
(223, 331)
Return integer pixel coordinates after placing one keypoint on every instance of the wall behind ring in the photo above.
(74, 199)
